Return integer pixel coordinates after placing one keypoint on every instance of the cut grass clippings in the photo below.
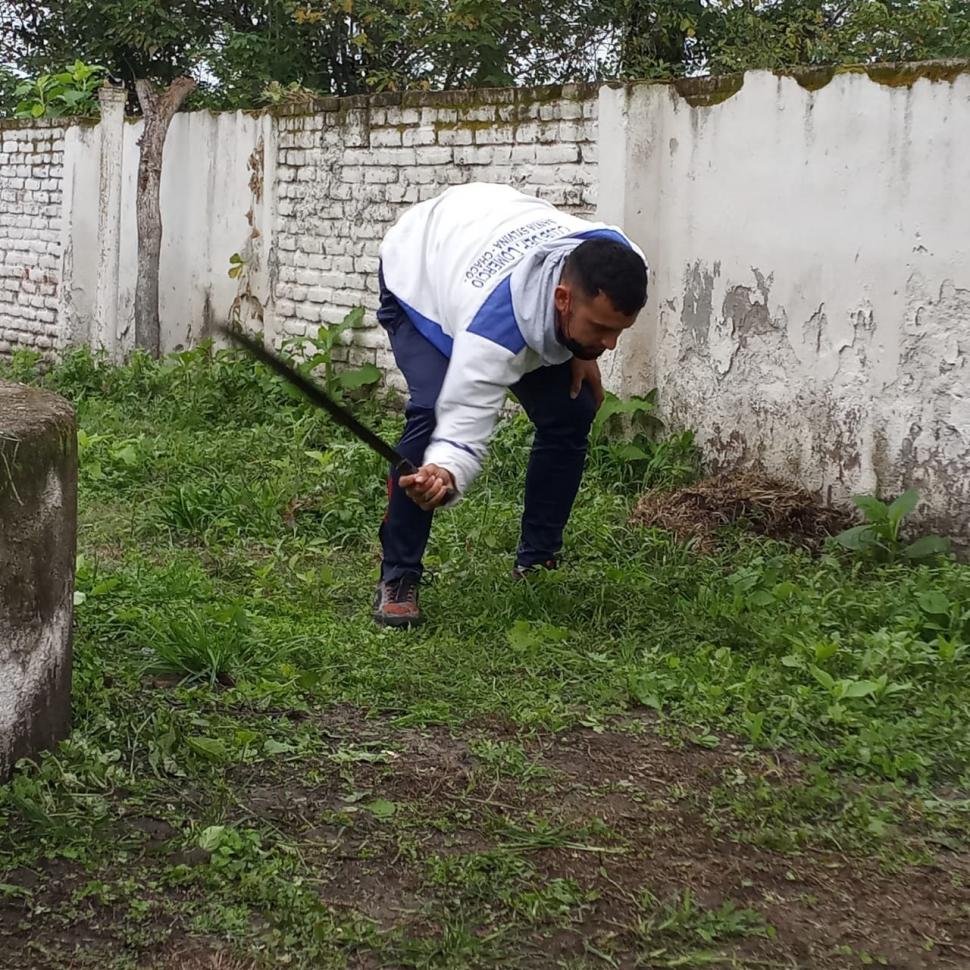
(768, 507)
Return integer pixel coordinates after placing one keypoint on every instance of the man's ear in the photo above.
(562, 296)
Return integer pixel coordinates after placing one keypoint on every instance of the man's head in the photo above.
(602, 289)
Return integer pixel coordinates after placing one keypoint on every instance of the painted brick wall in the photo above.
(346, 171)
(31, 165)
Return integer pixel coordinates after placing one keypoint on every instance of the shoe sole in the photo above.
(397, 622)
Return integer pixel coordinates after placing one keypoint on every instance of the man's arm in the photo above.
(479, 374)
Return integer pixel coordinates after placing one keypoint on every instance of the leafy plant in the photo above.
(72, 92)
(236, 265)
(323, 344)
(679, 932)
(8, 88)
(628, 445)
(879, 536)
(294, 93)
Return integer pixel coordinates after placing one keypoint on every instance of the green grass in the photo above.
(227, 554)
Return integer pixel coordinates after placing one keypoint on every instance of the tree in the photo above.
(8, 92)
(724, 36)
(332, 46)
(235, 49)
(158, 110)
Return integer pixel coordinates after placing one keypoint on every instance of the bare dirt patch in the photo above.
(617, 815)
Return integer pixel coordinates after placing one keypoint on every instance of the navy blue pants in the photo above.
(555, 465)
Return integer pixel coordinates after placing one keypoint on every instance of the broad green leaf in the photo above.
(875, 510)
(210, 838)
(643, 691)
(823, 677)
(926, 547)
(859, 688)
(825, 650)
(610, 406)
(272, 747)
(631, 452)
(211, 748)
(903, 505)
(613, 405)
(381, 808)
(521, 635)
(707, 740)
(359, 377)
(126, 455)
(755, 724)
(354, 318)
(857, 538)
(935, 602)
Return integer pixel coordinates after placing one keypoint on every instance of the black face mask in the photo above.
(580, 351)
(574, 346)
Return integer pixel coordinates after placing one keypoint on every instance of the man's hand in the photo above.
(587, 371)
(429, 486)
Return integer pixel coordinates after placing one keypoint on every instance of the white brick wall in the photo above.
(31, 165)
(346, 172)
(341, 174)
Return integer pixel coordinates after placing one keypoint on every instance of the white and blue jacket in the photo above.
(475, 269)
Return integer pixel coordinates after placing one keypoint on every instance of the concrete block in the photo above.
(38, 528)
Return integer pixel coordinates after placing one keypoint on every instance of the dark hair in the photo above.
(607, 266)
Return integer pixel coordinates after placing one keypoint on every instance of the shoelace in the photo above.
(404, 585)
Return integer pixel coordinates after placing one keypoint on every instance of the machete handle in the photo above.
(405, 467)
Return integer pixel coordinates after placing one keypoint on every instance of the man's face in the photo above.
(588, 326)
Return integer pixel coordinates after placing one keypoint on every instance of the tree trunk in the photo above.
(158, 110)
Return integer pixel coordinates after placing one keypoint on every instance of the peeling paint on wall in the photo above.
(810, 305)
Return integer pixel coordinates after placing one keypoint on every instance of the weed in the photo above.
(628, 446)
(878, 537)
(321, 357)
(678, 932)
(210, 644)
(508, 759)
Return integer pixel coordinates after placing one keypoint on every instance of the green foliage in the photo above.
(681, 933)
(8, 92)
(630, 449)
(72, 92)
(279, 49)
(686, 37)
(318, 354)
(236, 266)
(224, 650)
(212, 644)
(285, 51)
(878, 537)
